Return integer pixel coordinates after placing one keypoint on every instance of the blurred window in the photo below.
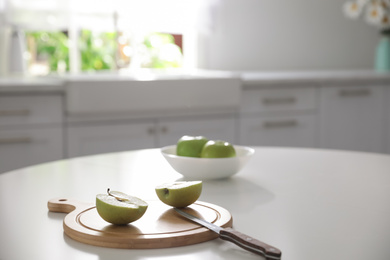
(85, 35)
(49, 51)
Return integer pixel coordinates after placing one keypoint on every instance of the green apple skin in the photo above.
(120, 212)
(218, 149)
(179, 194)
(190, 146)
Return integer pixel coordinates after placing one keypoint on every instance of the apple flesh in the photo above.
(190, 146)
(179, 194)
(218, 149)
(119, 208)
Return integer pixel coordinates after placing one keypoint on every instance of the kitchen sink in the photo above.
(146, 93)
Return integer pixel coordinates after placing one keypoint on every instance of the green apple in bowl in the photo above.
(119, 208)
(179, 194)
(190, 146)
(218, 149)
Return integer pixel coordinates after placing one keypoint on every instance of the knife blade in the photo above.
(244, 241)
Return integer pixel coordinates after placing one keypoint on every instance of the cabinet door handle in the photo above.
(280, 124)
(151, 130)
(279, 101)
(18, 112)
(16, 140)
(164, 129)
(354, 92)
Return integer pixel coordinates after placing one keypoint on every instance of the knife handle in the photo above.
(250, 243)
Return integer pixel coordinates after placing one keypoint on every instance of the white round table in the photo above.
(311, 204)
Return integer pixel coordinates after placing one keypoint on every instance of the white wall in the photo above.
(273, 35)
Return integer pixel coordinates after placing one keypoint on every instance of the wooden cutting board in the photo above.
(159, 227)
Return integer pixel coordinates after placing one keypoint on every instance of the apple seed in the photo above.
(118, 198)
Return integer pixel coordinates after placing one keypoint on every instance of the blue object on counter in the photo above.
(382, 61)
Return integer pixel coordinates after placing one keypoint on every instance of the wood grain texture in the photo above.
(250, 243)
(160, 227)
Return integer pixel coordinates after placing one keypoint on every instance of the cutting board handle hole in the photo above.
(65, 205)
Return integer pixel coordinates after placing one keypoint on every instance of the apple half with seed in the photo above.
(119, 208)
(179, 194)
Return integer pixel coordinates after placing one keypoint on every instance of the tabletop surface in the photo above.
(311, 204)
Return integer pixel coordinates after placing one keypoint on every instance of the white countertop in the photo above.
(291, 77)
(311, 204)
(30, 84)
(148, 75)
(249, 78)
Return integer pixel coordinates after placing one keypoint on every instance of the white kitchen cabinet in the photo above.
(287, 131)
(25, 110)
(348, 111)
(109, 137)
(31, 130)
(387, 120)
(280, 116)
(106, 137)
(352, 117)
(24, 147)
(214, 127)
(278, 99)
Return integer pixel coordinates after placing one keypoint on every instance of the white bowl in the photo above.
(207, 168)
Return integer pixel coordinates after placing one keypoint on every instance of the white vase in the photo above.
(12, 49)
(17, 48)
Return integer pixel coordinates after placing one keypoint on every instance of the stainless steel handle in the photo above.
(280, 123)
(354, 92)
(17, 112)
(279, 101)
(16, 140)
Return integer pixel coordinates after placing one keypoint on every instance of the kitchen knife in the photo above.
(242, 240)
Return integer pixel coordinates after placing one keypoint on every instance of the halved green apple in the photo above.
(119, 208)
(179, 194)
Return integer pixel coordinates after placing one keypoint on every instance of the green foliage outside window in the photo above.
(49, 46)
(163, 51)
(98, 51)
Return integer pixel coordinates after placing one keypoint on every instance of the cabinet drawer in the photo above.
(26, 110)
(288, 131)
(21, 148)
(287, 99)
(352, 118)
(97, 139)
